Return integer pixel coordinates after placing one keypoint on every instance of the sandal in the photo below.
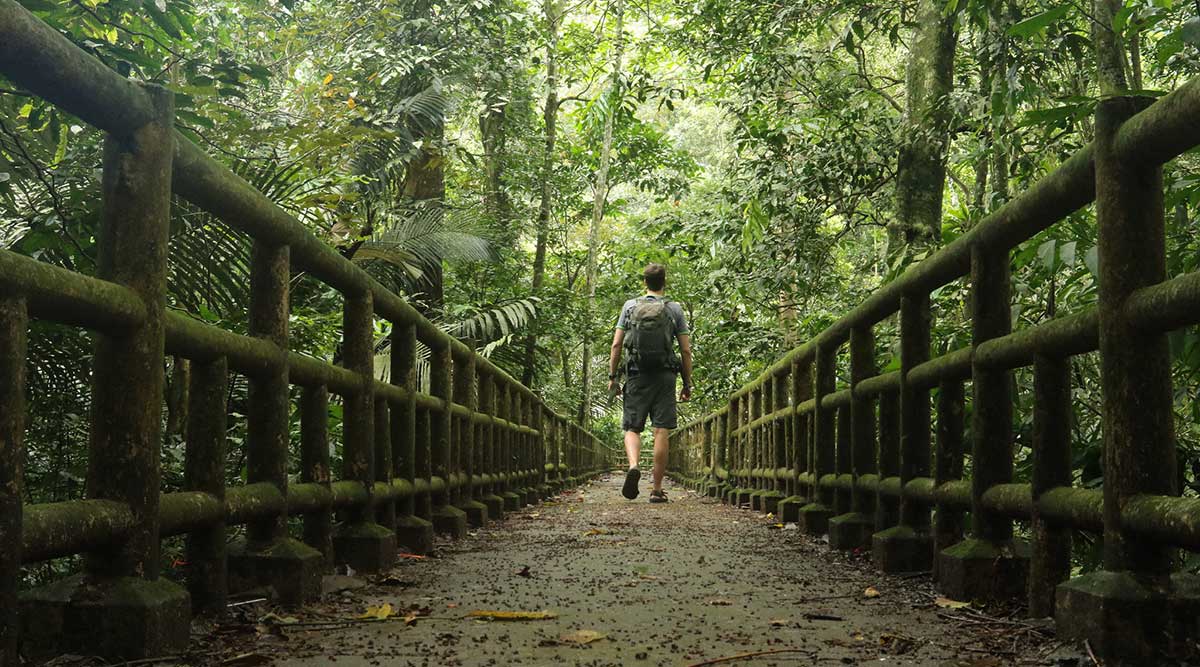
(658, 496)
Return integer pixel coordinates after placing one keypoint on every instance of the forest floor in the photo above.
(631, 583)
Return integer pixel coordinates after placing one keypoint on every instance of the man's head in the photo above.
(655, 276)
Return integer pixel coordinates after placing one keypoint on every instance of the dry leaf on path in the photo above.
(779, 622)
(513, 615)
(947, 603)
(871, 592)
(380, 613)
(718, 602)
(581, 637)
(412, 556)
(595, 531)
(247, 660)
(524, 572)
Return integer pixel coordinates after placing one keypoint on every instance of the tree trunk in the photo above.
(1001, 17)
(921, 168)
(425, 185)
(550, 115)
(600, 197)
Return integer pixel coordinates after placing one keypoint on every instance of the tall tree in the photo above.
(546, 202)
(921, 167)
(600, 191)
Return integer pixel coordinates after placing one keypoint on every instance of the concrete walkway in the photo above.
(671, 585)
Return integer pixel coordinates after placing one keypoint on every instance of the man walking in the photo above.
(646, 332)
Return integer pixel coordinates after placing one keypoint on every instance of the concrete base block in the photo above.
(770, 501)
(495, 506)
(902, 549)
(477, 512)
(851, 531)
(756, 500)
(1127, 621)
(366, 547)
(813, 518)
(512, 501)
(789, 508)
(289, 567)
(118, 619)
(977, 570)
(741, 497)
(710, 489)
(449, 520)
(530, 495)
(414, 534)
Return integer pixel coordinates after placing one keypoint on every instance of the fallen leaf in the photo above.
(513, 615)
(247, 659)
(947, 603)
(581, 637)
(395, 581)
(524, 572)
(871, 592)
(412, 556)
(718, 602)
(410, 618)
(451, 605)
(823, 617)
(273, 618)
(778, 622)
(379, 613)
(775, 526)
(595, 531)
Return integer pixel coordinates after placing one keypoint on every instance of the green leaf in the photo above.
(1190, 32)
(1046, 253)
(1091, 259)
(1038, 22)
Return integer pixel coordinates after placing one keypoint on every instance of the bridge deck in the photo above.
(669, 585)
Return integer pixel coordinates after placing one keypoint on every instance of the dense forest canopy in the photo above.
(511, 165)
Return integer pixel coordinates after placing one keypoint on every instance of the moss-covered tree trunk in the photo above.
(546, 203)
(425, 185)
(600, 197)
(921, 168)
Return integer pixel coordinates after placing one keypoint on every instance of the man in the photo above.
(646, 331)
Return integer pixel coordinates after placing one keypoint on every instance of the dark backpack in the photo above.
(650, 336)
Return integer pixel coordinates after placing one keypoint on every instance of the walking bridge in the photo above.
(856, 462)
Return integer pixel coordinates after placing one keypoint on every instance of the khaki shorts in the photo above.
(649, 394)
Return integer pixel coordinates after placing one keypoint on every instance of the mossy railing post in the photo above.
(120, 606)
(744, 489)
(754, 435)
(1136, 604)
(800, 379)
(267, 556)
(908, 547)
(989, 565)
(447, 519)
(204, 471)
(887, 507)
(947, 519)
(853, 529)
(814, 517)
(1050, 560)
(779, 454)
(507, 409)
(359, 541)
(842, 465)
(487, 447)
(385, 508)
(412, 531)
(423, 464)
(14, 343)
(711, 433)
(314, 464)
(466, 388)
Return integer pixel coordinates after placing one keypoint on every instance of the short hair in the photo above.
(655, 276)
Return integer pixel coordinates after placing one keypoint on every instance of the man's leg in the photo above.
(633, 447)
(661, 444)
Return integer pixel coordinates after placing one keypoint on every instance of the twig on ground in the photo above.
(731, 658)
(1088, 645)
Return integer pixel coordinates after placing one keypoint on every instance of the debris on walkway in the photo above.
(593, 579)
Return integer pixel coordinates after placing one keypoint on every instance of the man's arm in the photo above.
(614, 356)
(685, 356)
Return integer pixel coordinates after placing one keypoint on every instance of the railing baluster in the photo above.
(204, 470)
(466, 392)
(887, 508)
(908, 546)
(814, 517)
(447, 518)
(1050, 562)
(853, 529)
(14, 340)
(314, 465)
(948, 520)
(800, 378)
